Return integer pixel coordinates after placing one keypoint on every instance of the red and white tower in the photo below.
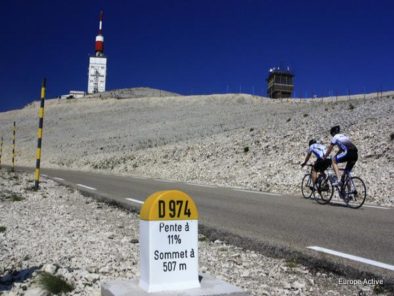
(98, 64)
(100, 38)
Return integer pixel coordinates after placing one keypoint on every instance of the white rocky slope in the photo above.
(59, 231)
(135, 92)
(230, 140)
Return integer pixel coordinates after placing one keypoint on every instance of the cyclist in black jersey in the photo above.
(347, 152)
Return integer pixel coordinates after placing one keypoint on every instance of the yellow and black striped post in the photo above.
(39, 135)
(13, 146)
(1, 149)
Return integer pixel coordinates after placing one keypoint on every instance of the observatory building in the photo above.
(98, 64)
(280, 83)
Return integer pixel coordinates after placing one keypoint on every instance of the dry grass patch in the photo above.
(54, 284)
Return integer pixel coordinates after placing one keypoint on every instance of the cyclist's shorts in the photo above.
(322, 164)
(350, 155)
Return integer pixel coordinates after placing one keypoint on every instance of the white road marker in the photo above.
(376, 207)
(165, 181)
(134, 200)
(59, 179)
(243, 190)
(256, 192)
(270, 193)
(202, 185)
(138, 177)
(44, 175)
(352, 257)
(87, 187)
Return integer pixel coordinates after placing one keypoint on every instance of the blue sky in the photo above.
(196, 46)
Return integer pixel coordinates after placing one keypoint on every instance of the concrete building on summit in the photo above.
(280, 83)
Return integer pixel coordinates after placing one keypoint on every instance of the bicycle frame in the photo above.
(346, 176)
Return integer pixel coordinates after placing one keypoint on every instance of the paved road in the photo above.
(288, 222)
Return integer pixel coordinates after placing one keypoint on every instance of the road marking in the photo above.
(266, 193)
(269, 193)
(202, 185)
(352, 257)
(87, 187)
(134, 200)
(138, 177)
(165, 181)
(242, 190)
(256, 192)
(44, 175)
(339, 201)
(59, 179)
(376, 207)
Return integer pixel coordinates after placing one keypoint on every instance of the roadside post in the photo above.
(39, 135)
(1, 149)
(169, 242)
(13, 146)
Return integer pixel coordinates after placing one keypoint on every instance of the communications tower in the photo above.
(98, 63)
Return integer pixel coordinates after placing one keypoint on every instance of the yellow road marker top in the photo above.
(169, 205)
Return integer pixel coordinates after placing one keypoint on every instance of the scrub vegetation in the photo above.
(54, 284)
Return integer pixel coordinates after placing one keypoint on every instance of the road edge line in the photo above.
(352, 257)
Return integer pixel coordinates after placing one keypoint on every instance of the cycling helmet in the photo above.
(335, 130)
(311, 142)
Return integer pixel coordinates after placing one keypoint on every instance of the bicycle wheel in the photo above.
(325, 190)
(306, 186)
(355, 192)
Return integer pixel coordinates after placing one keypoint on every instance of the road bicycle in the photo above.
(323, 187)
(352, 190)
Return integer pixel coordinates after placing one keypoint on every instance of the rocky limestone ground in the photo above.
(136, 92)
(59, 231)
(233, 140)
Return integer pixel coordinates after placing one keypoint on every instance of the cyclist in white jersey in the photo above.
(347, 151)
(321, 164)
